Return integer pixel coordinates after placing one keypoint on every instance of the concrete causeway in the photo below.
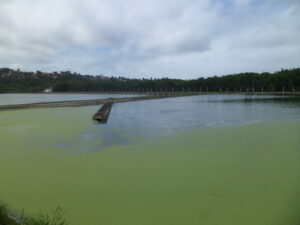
(80, 102)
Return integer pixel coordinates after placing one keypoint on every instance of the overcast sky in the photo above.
(150, 38)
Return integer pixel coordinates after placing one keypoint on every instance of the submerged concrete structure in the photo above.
(103, 113)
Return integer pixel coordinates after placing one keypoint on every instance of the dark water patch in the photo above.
(94, 139)
(287, 100)
(166, 117)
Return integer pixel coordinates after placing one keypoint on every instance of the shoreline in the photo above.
(150, 96)
(165, 92)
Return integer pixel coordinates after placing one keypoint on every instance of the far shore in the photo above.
(169, 92)
(143, 97)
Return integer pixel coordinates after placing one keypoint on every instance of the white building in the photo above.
(48, 90)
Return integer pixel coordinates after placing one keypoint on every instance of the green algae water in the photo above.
(223, 169)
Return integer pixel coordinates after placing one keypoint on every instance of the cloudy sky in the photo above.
(143, 38)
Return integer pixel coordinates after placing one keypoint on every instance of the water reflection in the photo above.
(293, 100)
(131, 121)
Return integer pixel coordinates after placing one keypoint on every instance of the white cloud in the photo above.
(139, 38)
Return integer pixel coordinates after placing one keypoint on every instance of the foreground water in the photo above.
(149, 165)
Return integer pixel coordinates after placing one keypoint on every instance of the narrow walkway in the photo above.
(79, 102)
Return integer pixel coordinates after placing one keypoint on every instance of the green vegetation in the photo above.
(18, 81)
(7, 218)
(4, 218)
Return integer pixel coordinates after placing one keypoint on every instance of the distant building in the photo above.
(48, 90)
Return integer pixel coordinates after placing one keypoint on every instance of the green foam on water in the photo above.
(220, 176)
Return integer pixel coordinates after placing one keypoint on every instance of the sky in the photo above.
(150, 38)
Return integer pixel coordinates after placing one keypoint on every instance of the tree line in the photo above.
(14, 81)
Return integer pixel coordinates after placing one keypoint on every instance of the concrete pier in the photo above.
(103, 113)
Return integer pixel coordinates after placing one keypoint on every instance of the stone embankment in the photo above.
(78, 102)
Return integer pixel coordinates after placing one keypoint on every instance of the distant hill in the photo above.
(14, 81)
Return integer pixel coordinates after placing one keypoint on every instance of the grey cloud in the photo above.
(141, 37)
(281, 28)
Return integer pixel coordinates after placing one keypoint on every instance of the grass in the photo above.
(4, 218)
(8, 218)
